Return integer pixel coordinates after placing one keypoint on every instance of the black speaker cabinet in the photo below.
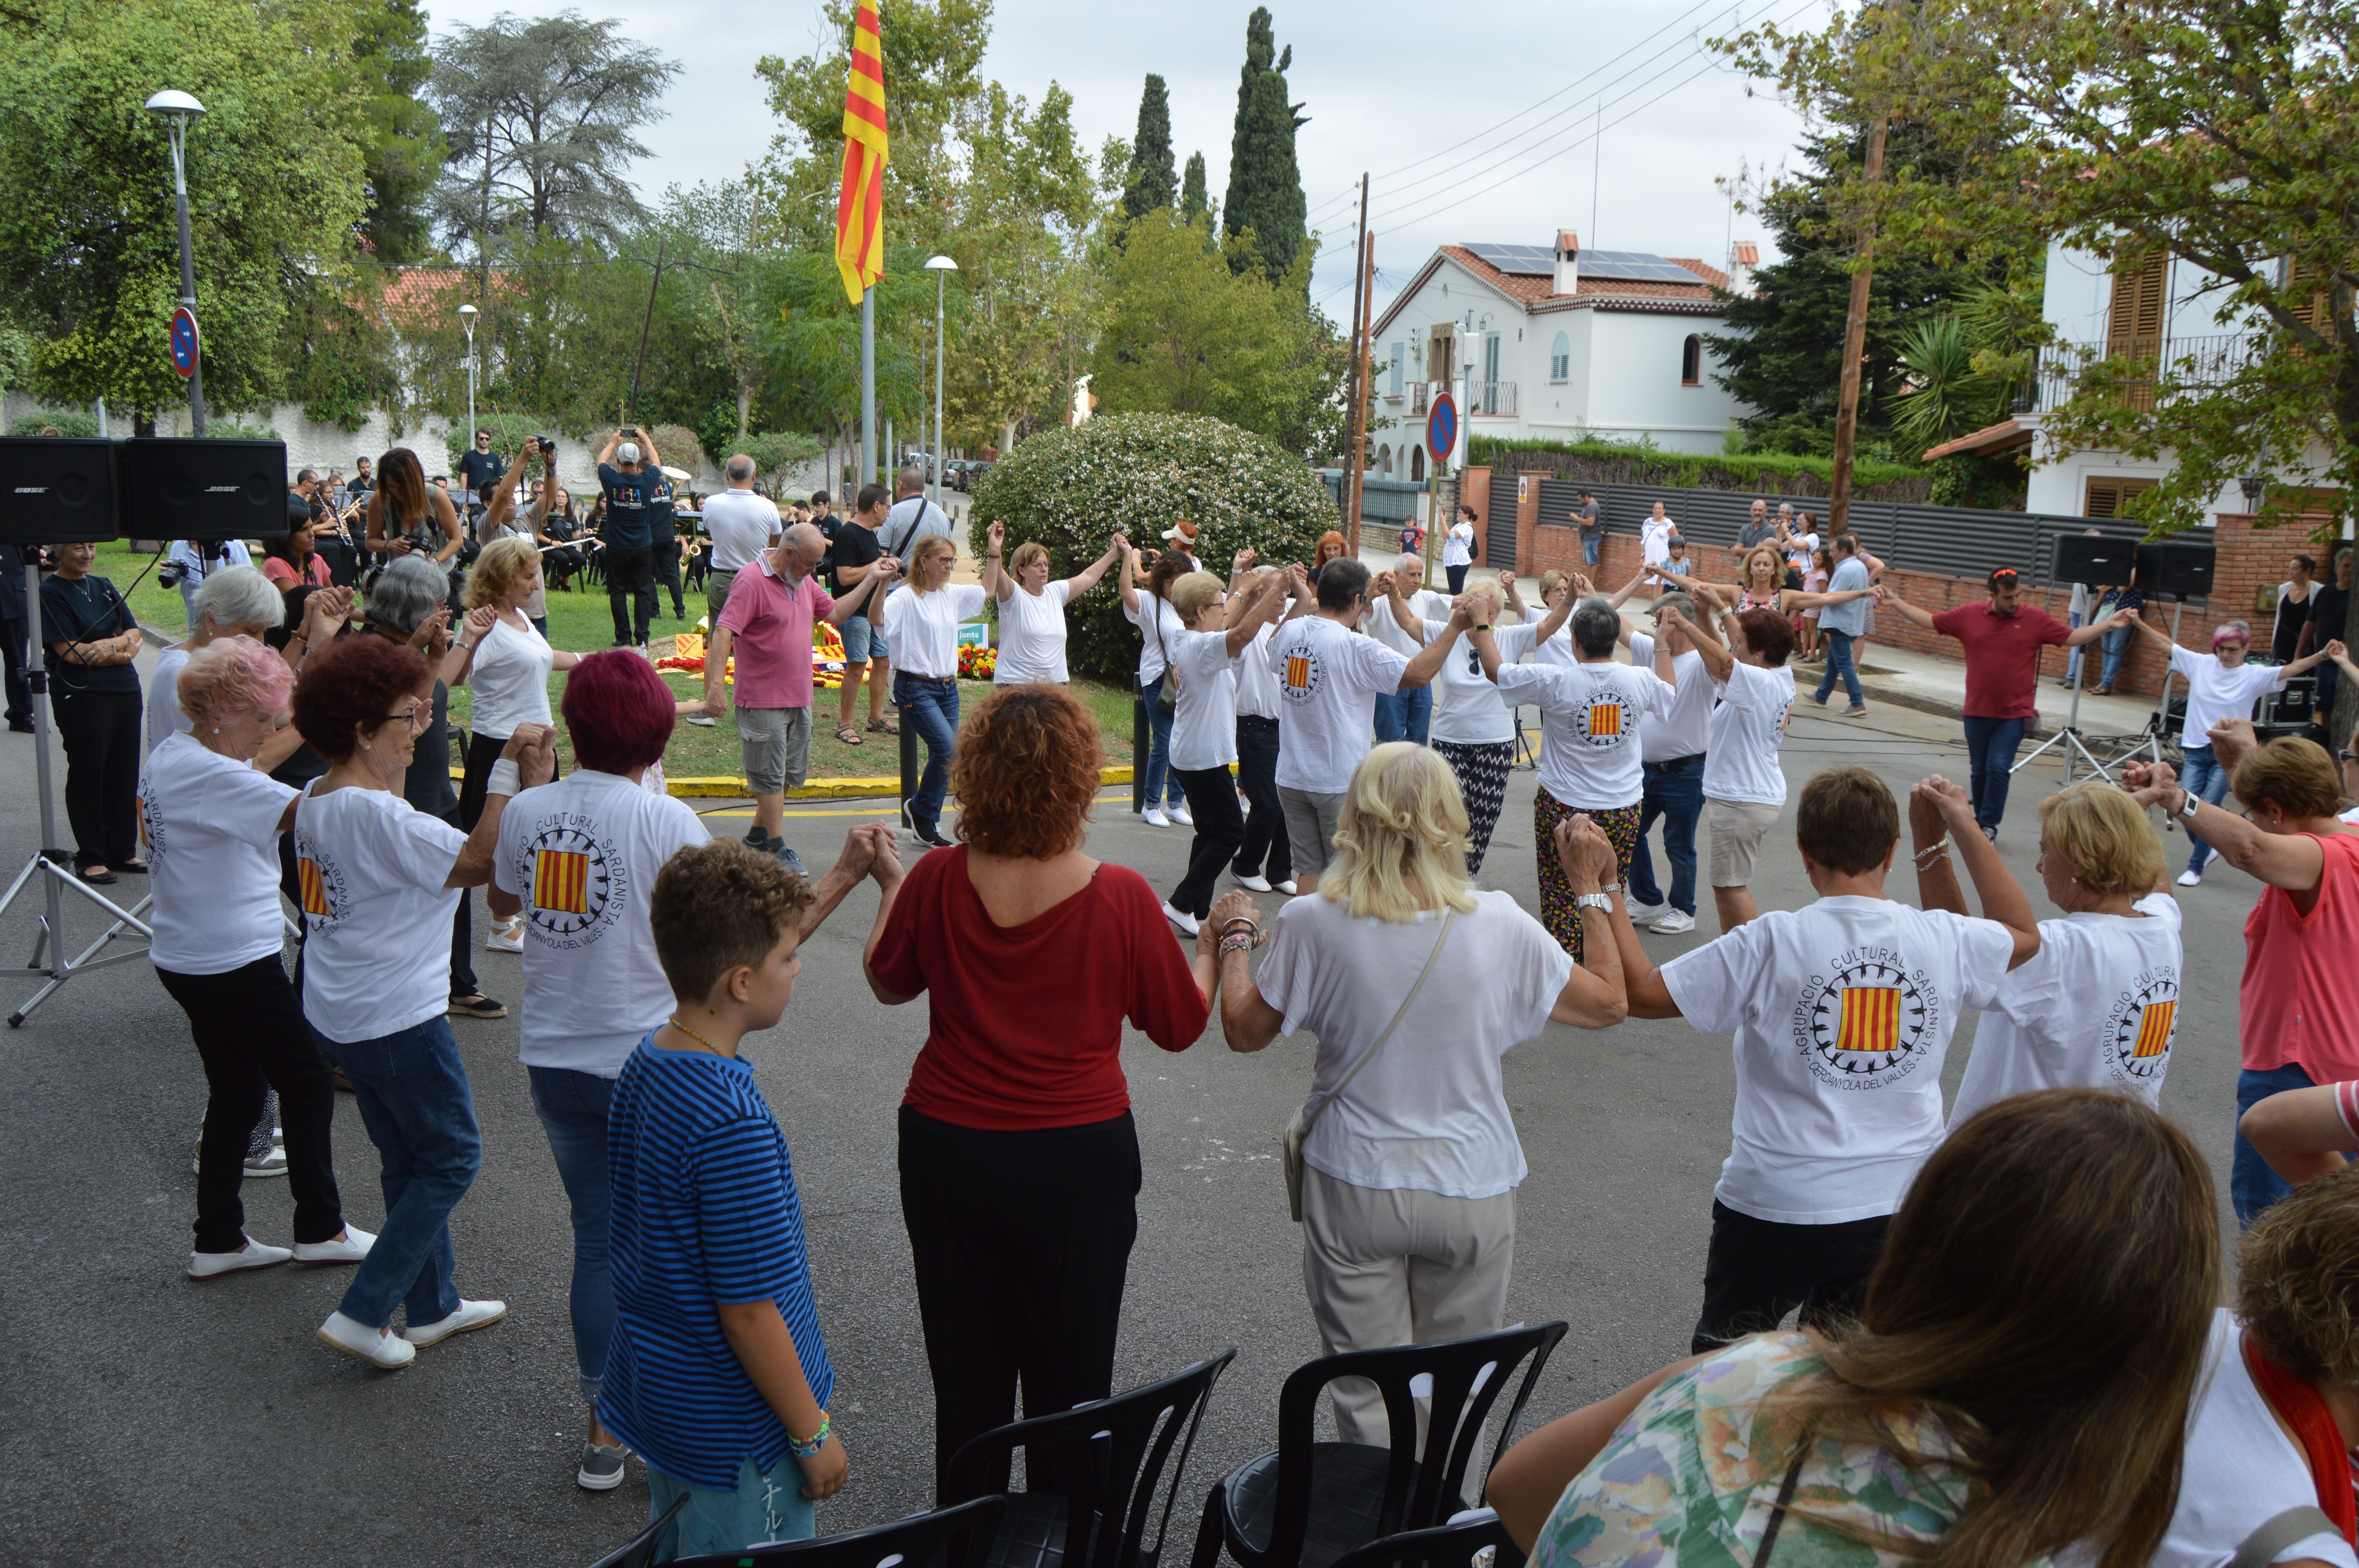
(57, 490)
(176, 487)
(2177, 569)
(2097, 561)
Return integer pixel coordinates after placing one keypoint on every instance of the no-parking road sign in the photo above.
(1442, 427)
(184, 340)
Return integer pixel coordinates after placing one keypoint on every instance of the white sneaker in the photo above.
(253, 1255)
(1178, 814)
(1154, 817)
(1640, 914)
(2190, 879)
(1677, 919)
(471, 1315)
(506, 938)
(1287, 887)
(377, 1346)
(350, 1248)
(1253, 885)
(701, 720)
(1184, 922)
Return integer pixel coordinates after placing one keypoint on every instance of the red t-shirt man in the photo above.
(2002, 639)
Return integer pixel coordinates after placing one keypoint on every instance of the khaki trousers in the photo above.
(1399, 1266)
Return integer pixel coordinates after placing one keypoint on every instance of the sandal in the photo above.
(884, 727)
(848, 735)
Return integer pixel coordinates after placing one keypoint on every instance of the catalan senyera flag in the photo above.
(1605, 718)
(1298, 671)
(2154, 1029)
(560, 881)
(1871, 1019)
(315, 889)
(860, 209)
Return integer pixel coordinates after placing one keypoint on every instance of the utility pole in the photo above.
(1854, 349)
(1356, 382)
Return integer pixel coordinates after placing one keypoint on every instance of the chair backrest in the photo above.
(1457, 1544)
(639, 1551)
(1105, 1459)
(1425, 1481)
(950, 1538)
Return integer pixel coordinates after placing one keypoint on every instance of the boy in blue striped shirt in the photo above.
(717, 1374)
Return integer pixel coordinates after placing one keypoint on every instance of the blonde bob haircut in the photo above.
(931, 544)
(502, 564)
(2295, 775)
(1487, 590)
(1192, 592)
(2105, 836)
(1027, 552)
(1776, 567)
(1551, 580)
(1402, 820)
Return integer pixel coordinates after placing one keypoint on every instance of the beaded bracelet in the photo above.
(1926, 856)
(1234, 921)
(817, 1441)
(1235, 944)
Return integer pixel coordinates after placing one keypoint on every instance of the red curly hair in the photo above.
(1026, 771)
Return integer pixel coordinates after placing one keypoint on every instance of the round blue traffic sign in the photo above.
(1442, 427)
(184, 341)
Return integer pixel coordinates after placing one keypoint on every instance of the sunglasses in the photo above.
(2005, 574)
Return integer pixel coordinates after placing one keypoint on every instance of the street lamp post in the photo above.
(939, 267)
(177, 109)
(467, 315)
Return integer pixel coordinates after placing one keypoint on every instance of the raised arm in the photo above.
(2307, 661)
(606, 452)
(2003, 898)
(1592, 997)
(2161, 638)
(1427, 662)
(533, 749)
(1252, 610)
(1412, 623)
(997, 584)
(461, 655)
(1717, 660)
(1130, 579)
(867, 593)
(1924, 618)
(2290, 860)
(650, 458)
(1515, 601)
(1088, 577)
(1937, 878)
(1642, 983)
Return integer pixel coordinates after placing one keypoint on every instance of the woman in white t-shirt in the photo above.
(1416, 986)
(1743, 778)
(378, 878)
(1204, 727)
(1458, 549)
(501, 656)
(928, 610)
(1655, 536)
(1032, 608)
(212, 821)
(1473, 729)
(1148, 606)
(234, 602)
(2098, 1006)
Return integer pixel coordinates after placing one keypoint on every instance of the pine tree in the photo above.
(1151, 183)
(1195, 201)
(1265, 181)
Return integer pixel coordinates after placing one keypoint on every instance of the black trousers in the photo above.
(1021, 1242)
(665, 560)
(1265, 842)
(631, 591)
(462, 935)
(101, 732)
(1220, 833)
(250, 1037)
(14, 636)
(1759, 1269)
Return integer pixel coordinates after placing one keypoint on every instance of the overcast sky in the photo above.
(1389, 86)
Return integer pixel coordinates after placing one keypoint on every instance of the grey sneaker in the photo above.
(788, 858)
(601, 1468)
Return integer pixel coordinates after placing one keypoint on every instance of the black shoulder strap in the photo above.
(1785, 1501)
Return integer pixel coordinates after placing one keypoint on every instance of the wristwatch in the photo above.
(2189, 806)
(1596, 900)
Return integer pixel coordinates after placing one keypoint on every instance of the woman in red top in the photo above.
(1019, 1160)
(292, 562)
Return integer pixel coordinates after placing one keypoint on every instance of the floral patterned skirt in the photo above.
(1556, 910)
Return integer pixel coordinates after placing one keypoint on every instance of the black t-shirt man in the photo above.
(481, 469)
(853, 546)
(631, 507)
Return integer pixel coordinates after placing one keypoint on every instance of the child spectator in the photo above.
(717, 1373)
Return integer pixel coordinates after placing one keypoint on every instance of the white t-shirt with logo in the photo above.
(923, 627)
(1681, 731)
(2215, 692)
(165, 719)
(211, 827)
(2097, 1008)
(1329, 678)
(583, 853)
(1152, 645)
(742, 525)
(1032, 635)
(371, 868)
(1588, 728)
(1204, 725)
(2241, 1469)
(1468, 710)
(1430, 1111)
(1745, 732)
(1842, 1011)
(1257, 685)
(1424, 605)
(510, 679)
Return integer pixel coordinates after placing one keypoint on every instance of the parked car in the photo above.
(972, 471)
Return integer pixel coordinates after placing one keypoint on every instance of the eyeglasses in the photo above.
(2348, 756)
(417, 716)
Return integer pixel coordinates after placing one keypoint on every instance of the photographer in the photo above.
(628, 486)
(193, 560)
(408, 518)
(500, 521)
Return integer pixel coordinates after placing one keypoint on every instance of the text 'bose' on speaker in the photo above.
(180, 487)
(2179, 568)
(57, 490)
(2098, 562)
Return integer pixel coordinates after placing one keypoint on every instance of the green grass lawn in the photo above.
(584, 623)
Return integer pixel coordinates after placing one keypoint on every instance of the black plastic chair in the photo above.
(640, 1550)
(948, 1538)
(1455, 1545)
(1091, 1473)
(1309, 1503)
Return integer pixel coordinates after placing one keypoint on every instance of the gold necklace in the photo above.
(692, 1034)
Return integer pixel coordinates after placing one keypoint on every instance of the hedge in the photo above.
(1072, 487)
(1772, 474)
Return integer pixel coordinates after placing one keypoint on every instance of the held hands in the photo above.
(1241, 560)
(433, 632)
(1582, 585)
(533, 749)
(1585, 853)
(825, 1473)
(887, 867)
(1947, 802)
(1507, 582)
(1235, 904)
(859, 857)
(887, 568)
(2149, 784)
(2231, 738)
(997, 534)
(2335, 650)
(480, 620)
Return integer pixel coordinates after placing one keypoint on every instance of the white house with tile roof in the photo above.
(1566, 345)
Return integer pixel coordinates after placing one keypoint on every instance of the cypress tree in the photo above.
(1195, 201)
(1265, 181)
(1152, 184)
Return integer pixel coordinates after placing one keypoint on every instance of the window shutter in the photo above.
(2135, 327)
(2104, 494)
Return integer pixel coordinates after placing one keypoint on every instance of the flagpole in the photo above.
(867, 387)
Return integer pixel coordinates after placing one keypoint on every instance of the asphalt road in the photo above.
(149, 1419)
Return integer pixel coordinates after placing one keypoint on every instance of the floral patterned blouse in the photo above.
(1693, 1477)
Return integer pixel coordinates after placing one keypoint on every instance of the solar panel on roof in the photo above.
(1633, 266)
(1517, 259)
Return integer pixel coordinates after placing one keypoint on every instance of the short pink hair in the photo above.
(618, 711)
(230, 677)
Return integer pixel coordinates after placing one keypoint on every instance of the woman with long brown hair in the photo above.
(2018, 1385)
(406, 516)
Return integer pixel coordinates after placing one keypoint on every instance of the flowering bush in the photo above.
(977, 664)
(1072, 487)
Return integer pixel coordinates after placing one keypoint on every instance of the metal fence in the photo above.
(1390, 502)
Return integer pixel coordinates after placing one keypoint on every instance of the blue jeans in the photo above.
(2117, 646)
(1676, 796)
(414, 1100)
(573, 1110)
(1588, 548)
(933, 707)
(763, 1508)
(2202, 776)
(1838, 646)
(2252, 1185)
(1990, 752)
(1405, 714)
(1161, 783)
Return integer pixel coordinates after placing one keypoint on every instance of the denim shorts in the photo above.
(863, 642)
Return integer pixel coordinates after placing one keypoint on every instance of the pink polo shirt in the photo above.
(770, 630)
(2300, 1000)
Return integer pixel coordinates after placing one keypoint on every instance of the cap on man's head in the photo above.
(1182, 533)
(627, 452)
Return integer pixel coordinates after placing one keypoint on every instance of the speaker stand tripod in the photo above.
(2067, 742)
(53, 869)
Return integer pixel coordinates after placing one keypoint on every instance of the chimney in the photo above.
(1568, 262)
(1743, 257)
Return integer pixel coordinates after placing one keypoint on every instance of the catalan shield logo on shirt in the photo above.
(1605, 720)
(1871, 1019)
(2155, 1022)
(314, 888)
(1298, 671)
(1868, 1022)
(561, 879)
(1301, 675)
(2140, 1027)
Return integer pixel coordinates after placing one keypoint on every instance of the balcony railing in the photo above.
(1491, 399)
(2158, 365)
